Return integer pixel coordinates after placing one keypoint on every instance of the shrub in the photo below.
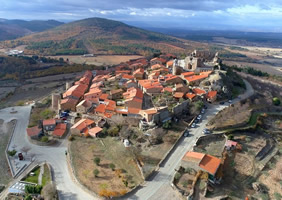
(97, 160)
(96, 172)
(112, 166)
(28, 197)
(177, 176)
(32, 189)
(44, 139)
(277, 196)
(167, 124)
(113, 131)
(185, 184)
(71, 138)
(12, 153)
(230, 137)
(276, 101)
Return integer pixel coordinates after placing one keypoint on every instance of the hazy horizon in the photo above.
(239, 15)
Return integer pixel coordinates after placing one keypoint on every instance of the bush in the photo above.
(12, 153)
(177, 176)
(276, 101)
(96, 172)
(44, 139)
(32, 189)
(167, 125)
(113, 131)
(71, 138)
(28, 197)
(112, 166)
(97, 160)
(230, 137)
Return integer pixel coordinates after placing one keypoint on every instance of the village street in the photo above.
(66, 185)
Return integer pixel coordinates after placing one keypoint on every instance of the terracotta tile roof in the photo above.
(159, 59)
(178, 95)
(230, 143)
(82, 124)
(93, 91)
(133, 110)
(148, 83)
(111, 105)
(33, 131)
(169, 63)
(133, 92)
(168, 89)
(69, 101)
(193, 156)
(172, 77)
(101, 108)
(157, 66)
(150, 111)
(138, 71)
(47, 122)
(199, 91)
(60, 129)
(123, 72)
(76, 91)
(96, 85)
(103, 96)
(211, 94)
(84, 103)
(116, 91)
(196, 77)
(126, 76)
(185, 74)
(206, 73)
(190, 95)
(94, 131)
(210, 164)
(108, 115)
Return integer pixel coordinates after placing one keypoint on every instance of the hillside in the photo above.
(12, 29)
(100, 36)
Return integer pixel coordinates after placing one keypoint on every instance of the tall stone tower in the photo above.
(55, 100)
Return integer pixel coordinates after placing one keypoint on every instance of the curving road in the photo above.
(68, 188)
(55, 156)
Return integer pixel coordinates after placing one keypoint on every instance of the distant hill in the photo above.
(100, 36)
(12, 29)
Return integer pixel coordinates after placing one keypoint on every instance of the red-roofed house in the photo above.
(49, 124)
(127, 77)
(75, 91)
(94, 132)
(195, 79)
(83, 106)
(190, 96)
(148, 114)
(160, 61)
(100, 109)
(186, 74)
(34, 132)
(93, 94)
(204, 162)
(199, 92)
(69, 104)
(167, 89)
(60, 130)
(116, 94)
(173, 80)
(103, 97)
(138, 74)
(178, 95)
(169, 64)
(211, 96)
(82, 126)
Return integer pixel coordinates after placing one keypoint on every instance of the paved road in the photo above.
(154, 189)
(68, 188)
(55, 156)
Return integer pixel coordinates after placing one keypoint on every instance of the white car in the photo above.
(203, 111)
(199, 117)
(193, 125)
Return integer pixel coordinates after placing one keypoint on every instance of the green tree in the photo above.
(97, 160)
(96, 172)
(177, 176)
(12, 153)
(167, 124)
(44, 139)
(28, 197)
(276, 101)
(112, 166)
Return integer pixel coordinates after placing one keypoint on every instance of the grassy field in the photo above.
(5, 132)
(33, 179)
(46, 177)
(99, 60)
(109, 150)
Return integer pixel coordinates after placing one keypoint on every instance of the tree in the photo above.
(12, 153)
(177, 176)
(44, 139)
(25, 149)
(167, 124)
(97, 160)
(112, 166)
(276, 101)
(28, 197)
(113, 131)
(96, 172)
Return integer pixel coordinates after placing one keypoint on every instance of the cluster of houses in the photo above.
(125, 89)
(53, 127)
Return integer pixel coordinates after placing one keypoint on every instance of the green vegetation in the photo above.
(167, 124)
(47, 114)
(113, 131)
(112, 166)
(12, 153)
(97, 160)
(33, 179)
(46, 177)
(31, 189)
(177, 176)
(96, 172)
(44, 139)
(250, 70)
(232, 55)
(276, 101)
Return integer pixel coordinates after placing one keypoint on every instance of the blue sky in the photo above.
(248, 15)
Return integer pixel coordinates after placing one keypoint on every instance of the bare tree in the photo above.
(25, 149)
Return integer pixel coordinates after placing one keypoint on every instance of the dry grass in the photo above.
(99, 60)
(109, 150)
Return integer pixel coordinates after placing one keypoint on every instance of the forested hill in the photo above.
(100, 36)
(12, 29)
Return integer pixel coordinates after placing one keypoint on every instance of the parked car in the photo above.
(199, 117)
(196, 121)
(186, 133)
(193, 125)
(206, 131)
(205, 107)
(20, 156)
(203, 111)
(221, 103)
(229, 101)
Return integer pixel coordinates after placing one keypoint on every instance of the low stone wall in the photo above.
(7, 148)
